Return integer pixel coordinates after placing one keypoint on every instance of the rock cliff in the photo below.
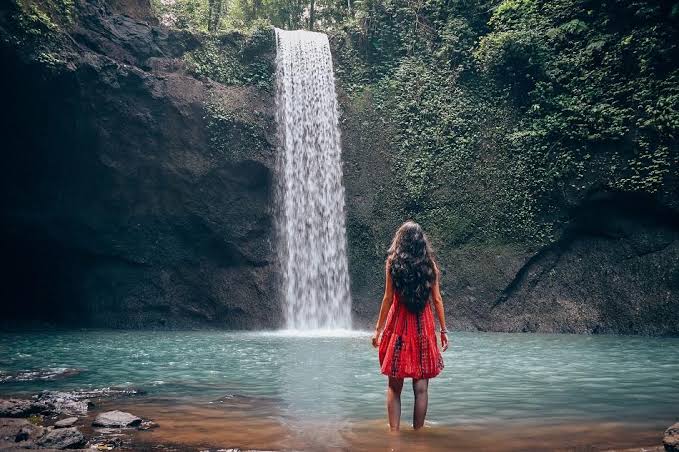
(135, 193)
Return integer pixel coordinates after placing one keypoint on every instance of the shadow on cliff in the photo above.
(612, 271)
(118, 210)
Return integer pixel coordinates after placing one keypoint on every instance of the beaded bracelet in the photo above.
(444, 331)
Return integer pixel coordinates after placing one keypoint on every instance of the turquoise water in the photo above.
(489, 377)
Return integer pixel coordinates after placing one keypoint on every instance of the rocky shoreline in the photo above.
(56, 420)
(61, 420)
(68, 420)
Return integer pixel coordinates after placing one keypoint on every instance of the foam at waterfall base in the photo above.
(315, 333)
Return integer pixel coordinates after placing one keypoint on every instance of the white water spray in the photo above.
(310, 193)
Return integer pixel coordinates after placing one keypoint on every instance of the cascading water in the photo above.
(310, 193)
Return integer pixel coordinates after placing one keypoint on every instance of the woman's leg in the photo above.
(394, 402)
(420, 388)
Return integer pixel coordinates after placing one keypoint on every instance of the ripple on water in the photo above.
(335, 375)
(47, 374)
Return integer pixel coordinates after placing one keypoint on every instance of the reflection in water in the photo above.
(313, 384)
(276, 391)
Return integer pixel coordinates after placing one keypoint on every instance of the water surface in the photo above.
(525, 382)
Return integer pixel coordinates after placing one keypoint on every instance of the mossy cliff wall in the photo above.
(535, 141)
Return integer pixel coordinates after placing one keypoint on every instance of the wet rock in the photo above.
(148, 425)
(613, 270)
(75, 403)
(104, 431)
(116, 418)
(68, 422)
(9, 427)
(109, 438)
(109, 444)
(18, 408)
(62, 438)
(623, 251)
(55, 402)
(671, 438)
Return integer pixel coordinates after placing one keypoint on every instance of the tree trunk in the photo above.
(312, 15)
(214, 14)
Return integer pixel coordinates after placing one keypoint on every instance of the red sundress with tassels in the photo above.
(408, 348)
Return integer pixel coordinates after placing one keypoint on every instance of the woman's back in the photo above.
(408, 348)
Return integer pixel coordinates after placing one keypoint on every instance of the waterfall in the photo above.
(312, 243)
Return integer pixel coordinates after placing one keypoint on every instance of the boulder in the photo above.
(671, 438)
(116, 418)
(62, 438)
(18, 408)
(67, 422)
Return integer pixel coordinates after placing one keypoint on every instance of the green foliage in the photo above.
(280, 13)
(603, 92)
(50, 59)
(38, 26)
(185, 14)
(38, 19)
(234, 59)
(35, 419)
(244, 14)
(452, 168)
(35, 21)
(507, 113)
(385, 32)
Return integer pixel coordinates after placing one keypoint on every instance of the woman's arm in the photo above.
(386, 304)
(438, 305)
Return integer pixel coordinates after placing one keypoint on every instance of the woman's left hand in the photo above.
(444, 341)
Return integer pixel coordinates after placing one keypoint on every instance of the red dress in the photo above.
(408, 348)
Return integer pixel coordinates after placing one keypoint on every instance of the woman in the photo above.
(407, 345)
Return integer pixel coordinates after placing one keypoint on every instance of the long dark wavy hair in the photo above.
(412, 266)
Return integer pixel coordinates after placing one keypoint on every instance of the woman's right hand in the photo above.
(444, 341)
(376, 339)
